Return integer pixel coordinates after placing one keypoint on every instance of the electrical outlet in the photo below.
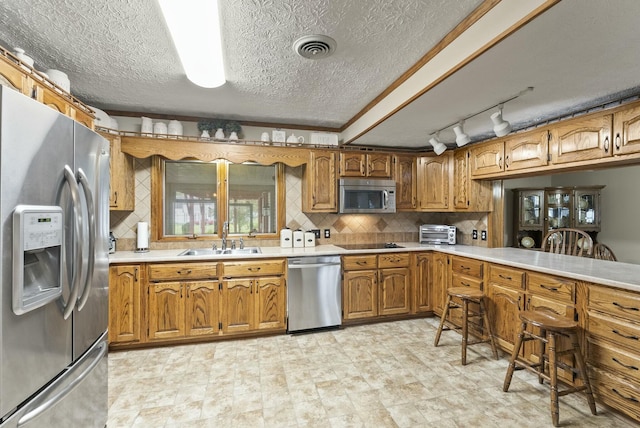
(474, 234)
(327, 233)
(316, 232)
(483, 235)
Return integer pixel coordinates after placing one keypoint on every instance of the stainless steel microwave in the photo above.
(367, 195)
(437, 234)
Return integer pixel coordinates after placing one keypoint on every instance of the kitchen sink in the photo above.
(219, 252)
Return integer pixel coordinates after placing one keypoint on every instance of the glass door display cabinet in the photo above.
(538, 211)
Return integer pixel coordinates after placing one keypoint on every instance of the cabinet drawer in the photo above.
(458, 280)
(253, 268)
(620, 303)
(466, 266)
(179, 271)
(359, 262)
(551, 286)
(509, 277)
(543, 304)
(616, 392)
(393, 260)
(620, 332)
(613, 358)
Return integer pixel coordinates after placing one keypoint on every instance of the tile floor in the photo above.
(377, 375)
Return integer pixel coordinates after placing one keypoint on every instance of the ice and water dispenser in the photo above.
(37, 256)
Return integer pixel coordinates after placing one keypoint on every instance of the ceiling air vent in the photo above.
(315, 46)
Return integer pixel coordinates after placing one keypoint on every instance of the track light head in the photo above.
(500, 126)
(461, 137)
(438, 147)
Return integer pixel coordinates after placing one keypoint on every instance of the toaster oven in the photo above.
(437, 234)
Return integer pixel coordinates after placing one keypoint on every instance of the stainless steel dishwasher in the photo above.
(314, 298)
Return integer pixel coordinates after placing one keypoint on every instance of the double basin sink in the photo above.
(220, 252)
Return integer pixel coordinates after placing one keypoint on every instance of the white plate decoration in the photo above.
(527, 242)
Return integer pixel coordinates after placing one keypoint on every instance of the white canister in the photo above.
(309, 239)
(19, 53)
(174, 128)
(298, 239)
(286, 238)
(142, 242)
(160, 128)
(146, 127)
(60, 78)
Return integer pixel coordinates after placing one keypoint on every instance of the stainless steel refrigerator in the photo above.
(54, 182)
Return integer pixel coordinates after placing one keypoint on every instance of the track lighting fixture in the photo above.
(500, 126)
(438, 147)
(461, 137)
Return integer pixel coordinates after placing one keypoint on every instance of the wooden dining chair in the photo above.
(603, 252)
(568, 241)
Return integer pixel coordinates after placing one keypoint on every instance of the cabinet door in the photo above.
(270, 303)
(487, 159)
(124, 304)
(626, 124)
(360, 294)
(14, 77)
(582, 139)
(201, 308)
(439, 282)
(394, 291)
(433, 184)
(527, 150)
(422, 283)
(166, 310)
(587, 209)
(122, 177)
(405, 174)
(319, 183)
(352, 165)
(504, 304)
(379, 165)
(237, 305)
(461, 180)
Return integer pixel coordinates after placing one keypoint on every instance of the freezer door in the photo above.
(90, 317)
(76, 399)
(36, 143)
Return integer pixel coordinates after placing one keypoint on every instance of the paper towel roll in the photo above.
(143, 236)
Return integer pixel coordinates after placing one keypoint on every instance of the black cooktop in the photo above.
(369, 246)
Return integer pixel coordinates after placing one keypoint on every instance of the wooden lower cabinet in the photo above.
(422, 283)
(368, 293)
(182, 309)
(250, 304)
(439, 281)
(360, 294)
(125, 315)
(503, 311)
(253, 296)
(613, 352)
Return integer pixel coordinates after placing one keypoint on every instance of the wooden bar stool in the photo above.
(467, 295)
(551, 327)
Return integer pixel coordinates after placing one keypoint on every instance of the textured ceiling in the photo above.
(119, 57)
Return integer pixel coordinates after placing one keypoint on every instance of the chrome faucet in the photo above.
(225, 231)
(241, 243)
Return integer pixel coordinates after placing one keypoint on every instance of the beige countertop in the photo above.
(615, 274)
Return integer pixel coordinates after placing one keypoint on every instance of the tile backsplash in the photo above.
(344, 228)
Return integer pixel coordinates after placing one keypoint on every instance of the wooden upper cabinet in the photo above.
(526, 150)
(405, 174)
(626, 125)
(365, 165)
(122, 177)
(433, 181)
(319, 183)
(487, 158)
(352, 164)
(581, 139)
(468, 194)
(14, 77)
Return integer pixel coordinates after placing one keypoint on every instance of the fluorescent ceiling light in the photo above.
(195, 28)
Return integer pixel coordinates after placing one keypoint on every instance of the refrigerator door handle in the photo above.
(77, 214)
(43, 407)
(84, 182)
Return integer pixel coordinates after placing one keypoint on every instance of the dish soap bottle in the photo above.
(112, 243)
